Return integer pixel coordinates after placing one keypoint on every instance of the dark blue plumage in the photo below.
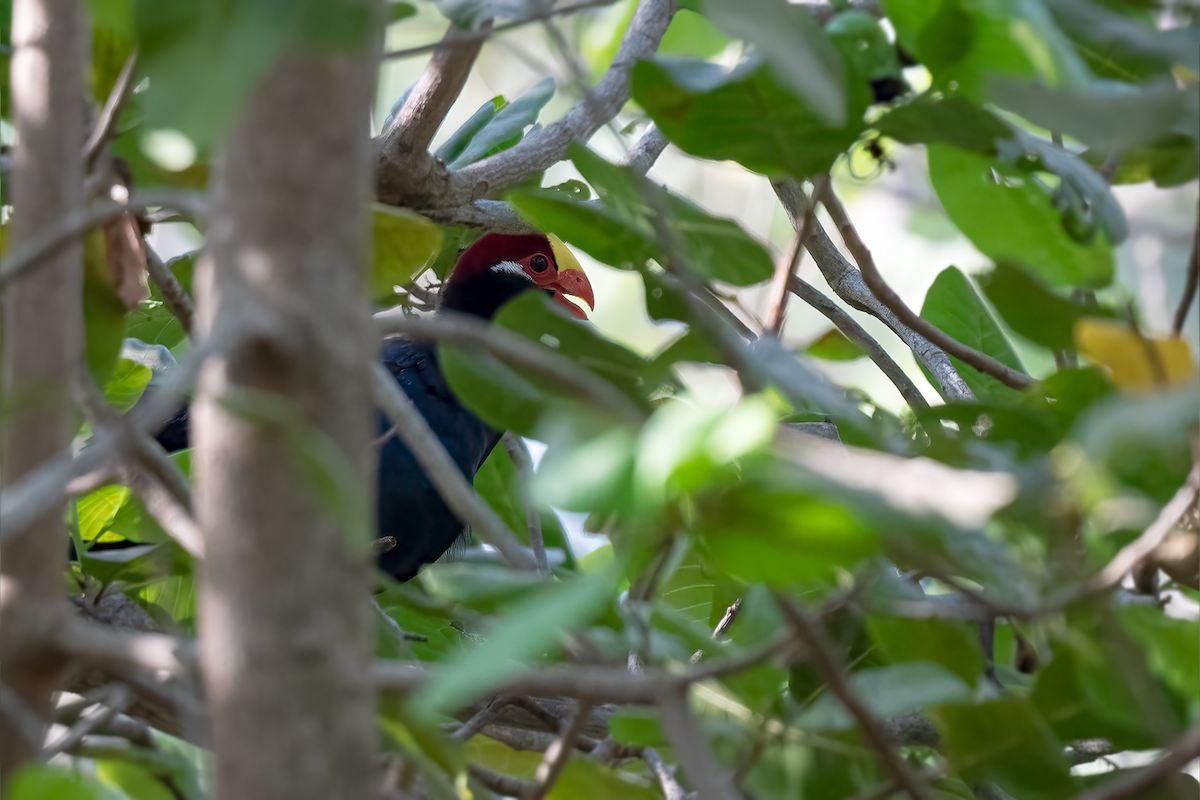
(492, 271)
(409, 506)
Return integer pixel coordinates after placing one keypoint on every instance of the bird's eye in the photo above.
(539, 263)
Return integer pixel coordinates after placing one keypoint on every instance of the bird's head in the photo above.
(500, 266)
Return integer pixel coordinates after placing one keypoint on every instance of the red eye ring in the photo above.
(539, 263)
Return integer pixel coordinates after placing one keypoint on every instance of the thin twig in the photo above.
(384, 544)
(116, 699)
(177, 301)
(866, 264)
(519, 454)
(825, 664)
(400, 634)
(855, 333)
(847, 283)
(786, 267)
(559, 752)
(48, 241)
(585, 386)
(108, 115)
(502, 784)
(1135, 783)
(482, 718)
(666, 779)
(443, 473)
(1190, 284)
(459, 36)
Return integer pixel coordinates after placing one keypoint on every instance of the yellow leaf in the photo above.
(404, 244)
(1134, 361)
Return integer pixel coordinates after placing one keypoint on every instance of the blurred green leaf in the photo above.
(788, 39)
(1122, 40)
(1170, 161)
(1030, 308)
(864, 44)
(1008, 742)
(126, 384)
(976, 191)
(834, 346)
(637, 727)
(44, 782)
(951, 644)
(404, 244)
(964, 44)
(133, 780)
(933, 117)
(1169, 645)
(483, 587)
(889, 692)
(103, 311)
(509, 122)
(744, 115)
(1107, 115)
(953, 305)
(517, 637)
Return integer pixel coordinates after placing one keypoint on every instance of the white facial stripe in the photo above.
(512, 268)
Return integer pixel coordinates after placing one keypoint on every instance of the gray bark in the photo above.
(42, 339)
(284, 615)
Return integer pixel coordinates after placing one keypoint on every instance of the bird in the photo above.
(490, 272)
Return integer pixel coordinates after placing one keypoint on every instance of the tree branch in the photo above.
(427, 185)
(847, 283)
(855, 333)
(825, 664)
(646, 150)
(866, 263)
(454, 489)
(418, 120)
(75, 223)
(559, 752)
(177, 301)
(666, 779)
(108, 115)
(691, 750)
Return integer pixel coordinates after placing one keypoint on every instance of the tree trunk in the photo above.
(284, 618)
(42, 341)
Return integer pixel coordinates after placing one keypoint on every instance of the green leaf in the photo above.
(516, 638)
(596, 231)
(103, 311)
(508, 123)
(834, 346)
(688, 589)
(953, 305)
(1122, 41)
(96, 510)
(483, 587)
(744, 115)
(459, 140)
(133, 780)
(500, 396)
(951, 644)
(499, 483)
(126, 385)
(791, 42)
(1030, 308)
(203, 59)
(965, 44)
(1109, 116)
(43, 782)
(889, 692)
(864, 44)
(637, 727)
(404, 244)
(1169, 645)
(1005, 741)
(779, 538)
(717, 249)
(1170, 161)
(933, 117)
(977, 191)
